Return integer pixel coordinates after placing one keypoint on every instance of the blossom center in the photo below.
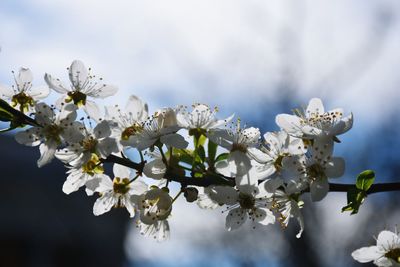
(93, 166)
(23, 100)
(239, 147)
(278, 161)
(77, 97)
(132, 130)
(316, 171)
(53, 132)
(246, 201)
(121, 186)
(89, 144)
(393, 254)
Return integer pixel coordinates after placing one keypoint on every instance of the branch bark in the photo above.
(211, 179)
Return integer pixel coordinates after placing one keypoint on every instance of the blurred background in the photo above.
(253, 58)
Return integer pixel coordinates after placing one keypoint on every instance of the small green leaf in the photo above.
(201, 154)
(184, 155)
(212, 150)
(355, 197)
(222, 156)
(365, 180)
(199, 139)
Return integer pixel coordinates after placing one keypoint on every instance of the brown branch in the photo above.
(215, 179)
(375, 188)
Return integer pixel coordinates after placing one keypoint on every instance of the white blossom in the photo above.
(286, 207)
(201, 117)
(97, 141)
(53, 131)
(248, 201)
(128, 121)
(119, 192)
(386, 253)
(278, 145)
(83, 84)
(22, 95)
(314, 122)
(154, 205)
(89, 174)
(242, 146)
(159, 230)
(315, 169)
(160, 127)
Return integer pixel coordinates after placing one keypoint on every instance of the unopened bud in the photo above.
(190, 194)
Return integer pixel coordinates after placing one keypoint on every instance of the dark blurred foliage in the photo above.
(40, 226)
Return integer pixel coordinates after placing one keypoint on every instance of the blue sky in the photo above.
(247, 57)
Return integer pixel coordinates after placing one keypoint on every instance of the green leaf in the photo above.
(365, 180)
(199, 140)
(222, 156)
(201, 154)
(212, 150)
(184, 155)
(355, 197)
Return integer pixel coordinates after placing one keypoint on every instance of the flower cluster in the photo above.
(219, 163)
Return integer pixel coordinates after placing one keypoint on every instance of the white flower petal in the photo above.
(223, 194)
(251, 136)
(47, 151)
(263, 216)
(138, 187)
(140, 142)
(343, 125)
(93, 184)
(155, 169)
(92, 110)
(71, 155)
(78, 74)
(104, 203)
(103, 91)
(174, 140)
(136, 108)
(130, 207)
(75, 180)
(386, 238)
(39, 92)
(315, 107)
(322, 148)
(289, 123)
(55, 84)
(6, 92)
(107, 146)
(258, 155)
(24, 78)
(319, 189)
(121, 171)
(44, 114)
(225, 168)
(30, 137)
(220, 123)
(335, 167)
(204, 201)
(366, 254)
(221, 137)
(242, 162)
(293, 166)
(235, 218)
(102, 130)
(271, 185)
(72, 133)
